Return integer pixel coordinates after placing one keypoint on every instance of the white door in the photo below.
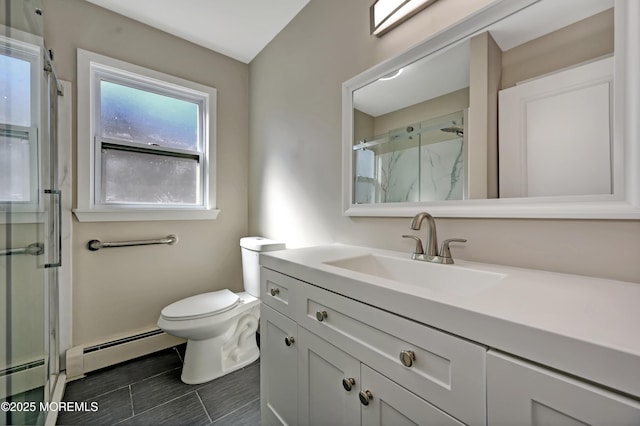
(386, 403)
(328, 383)
(278, 368)
(519, 393)
(555, 134)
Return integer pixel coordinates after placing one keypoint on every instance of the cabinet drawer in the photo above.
(278, 291)
(447, 371)
(520, 393)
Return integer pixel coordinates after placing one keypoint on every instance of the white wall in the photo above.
(295, 140)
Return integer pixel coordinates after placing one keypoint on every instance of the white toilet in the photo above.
(221, 325)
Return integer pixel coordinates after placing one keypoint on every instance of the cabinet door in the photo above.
(387, 403)
(323, 397)
(278, 368)
(519, 393)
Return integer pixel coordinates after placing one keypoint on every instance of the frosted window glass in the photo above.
(14, 169)
(138, 115)
(135, 177)
(15, 91)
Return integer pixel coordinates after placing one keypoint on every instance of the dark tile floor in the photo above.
(148, 391)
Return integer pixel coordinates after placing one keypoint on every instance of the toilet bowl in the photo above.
(220, 326)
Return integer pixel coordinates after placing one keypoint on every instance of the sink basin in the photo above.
(454, 279)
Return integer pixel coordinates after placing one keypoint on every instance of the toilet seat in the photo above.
(201, 305)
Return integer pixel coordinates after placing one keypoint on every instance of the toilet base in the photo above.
(208, 359)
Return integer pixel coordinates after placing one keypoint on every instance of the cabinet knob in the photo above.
(275, 291)
(289, 340)
(407, 358)
(348, 383)
(321, 315)
(365, 397)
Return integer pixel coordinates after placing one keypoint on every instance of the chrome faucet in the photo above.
(431, 247)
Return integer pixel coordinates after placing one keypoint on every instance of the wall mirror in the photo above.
(523, 109)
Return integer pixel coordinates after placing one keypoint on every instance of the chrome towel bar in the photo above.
(33, 249)
(95, 245)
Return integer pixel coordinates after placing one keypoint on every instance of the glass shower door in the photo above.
(29, 217)
(23, 280)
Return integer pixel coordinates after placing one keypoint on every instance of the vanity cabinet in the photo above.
(522, 393)
(357, 364)
(372, 350)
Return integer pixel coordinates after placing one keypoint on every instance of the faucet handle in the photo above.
(445, 252)
(418, 249)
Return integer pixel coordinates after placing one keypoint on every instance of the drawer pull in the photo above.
(321, 315)
(275, 291)
(365, 397)
(348, 383)
(289, 340)
(407, 358)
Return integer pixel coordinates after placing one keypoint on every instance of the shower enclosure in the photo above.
(30, 215)
(423, 161)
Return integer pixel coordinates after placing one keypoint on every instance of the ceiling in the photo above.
(236, 28)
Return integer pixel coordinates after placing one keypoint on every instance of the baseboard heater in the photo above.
(117, 342)
(83, 359)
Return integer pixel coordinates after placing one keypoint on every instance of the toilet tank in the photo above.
(251, 248)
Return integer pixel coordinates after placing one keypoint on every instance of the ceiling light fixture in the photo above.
(387, 14)
(391, 75)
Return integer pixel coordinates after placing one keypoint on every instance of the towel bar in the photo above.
(95, 245)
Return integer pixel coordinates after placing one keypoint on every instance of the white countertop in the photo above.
(588, 327)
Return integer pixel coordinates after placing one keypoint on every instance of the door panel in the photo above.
(324, 399)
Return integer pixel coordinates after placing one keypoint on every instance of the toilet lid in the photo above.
(201, 305)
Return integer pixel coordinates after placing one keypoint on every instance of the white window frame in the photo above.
(91, 68)
(26, 47)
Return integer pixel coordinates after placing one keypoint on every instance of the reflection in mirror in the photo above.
(423, 161)
(555, 133)
(514, 142)
(409, 136)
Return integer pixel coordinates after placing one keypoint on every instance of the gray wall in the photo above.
(295, 163)
(119, 291)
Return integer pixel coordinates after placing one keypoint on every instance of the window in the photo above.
(146, 144)
(19, 99)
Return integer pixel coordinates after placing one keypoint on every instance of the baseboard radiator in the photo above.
(83, 359)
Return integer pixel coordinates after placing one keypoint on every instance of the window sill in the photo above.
(140, 215)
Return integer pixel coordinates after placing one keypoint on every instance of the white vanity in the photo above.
(354, 335)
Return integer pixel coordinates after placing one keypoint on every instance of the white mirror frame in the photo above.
(624, 203)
